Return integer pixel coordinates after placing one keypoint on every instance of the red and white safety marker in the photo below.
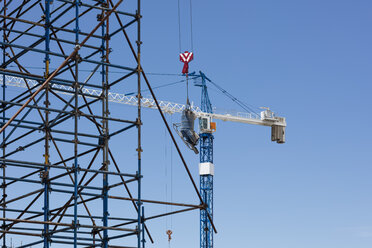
(186, 57)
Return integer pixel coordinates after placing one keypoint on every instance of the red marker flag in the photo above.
(186, 57)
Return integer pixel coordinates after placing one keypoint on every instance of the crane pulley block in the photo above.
(186, 58)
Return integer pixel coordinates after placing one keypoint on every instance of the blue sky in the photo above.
(309, 61)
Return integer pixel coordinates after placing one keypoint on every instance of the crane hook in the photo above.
(169, 233)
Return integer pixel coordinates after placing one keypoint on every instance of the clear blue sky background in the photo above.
(310, 61)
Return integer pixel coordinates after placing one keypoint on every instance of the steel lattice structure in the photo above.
(206, 181)
(60, 176)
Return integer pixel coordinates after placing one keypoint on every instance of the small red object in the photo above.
(169, 232)
(186, 57)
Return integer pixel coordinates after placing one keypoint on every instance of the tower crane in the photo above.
(207, 127)
(206, 167)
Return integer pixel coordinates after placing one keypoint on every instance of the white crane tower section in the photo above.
(267, 117)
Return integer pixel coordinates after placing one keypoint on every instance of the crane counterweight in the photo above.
(278, 134)
(277, 127)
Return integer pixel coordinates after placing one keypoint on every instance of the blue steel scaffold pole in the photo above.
(104, 47)
(143, 240)
(76, 120)
(3, 120)
(45, 175)
(139, 129)
(206, 178)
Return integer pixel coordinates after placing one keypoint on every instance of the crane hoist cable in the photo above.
(186, 57)
(191, 34)
(185, 129)
(179, 27)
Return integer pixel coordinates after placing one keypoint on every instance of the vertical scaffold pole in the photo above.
(3, 141)
(139, 121)
(76, 117)
(143, 227)
(105, 54)
(45, 174)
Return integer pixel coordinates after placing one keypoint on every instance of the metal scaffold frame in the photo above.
(59, 172)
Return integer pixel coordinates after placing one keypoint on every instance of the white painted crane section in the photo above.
(267, 117)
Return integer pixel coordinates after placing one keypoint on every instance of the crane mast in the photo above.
(206, 168)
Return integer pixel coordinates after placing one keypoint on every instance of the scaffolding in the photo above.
(60, 177)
